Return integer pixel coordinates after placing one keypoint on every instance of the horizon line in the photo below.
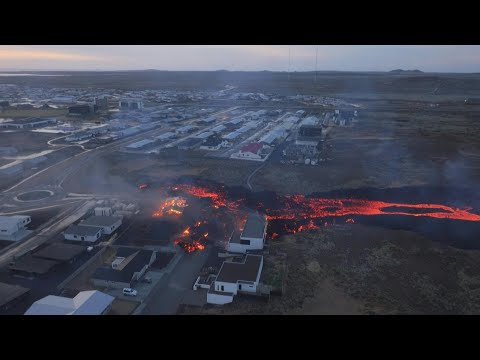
(9, 70)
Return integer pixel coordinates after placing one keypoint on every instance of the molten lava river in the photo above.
(305, 213)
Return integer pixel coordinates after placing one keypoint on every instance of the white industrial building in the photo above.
(91, 302)
(311, 120)
(130, 104)
(12, 228)
(103, 211)
(108, 224)
(236, 121)
(88, 234)
(231, 136)
(185, 129)
(165, 136)
(140, 144)
(204, 135)
(235, 277)
(218, 128)
(78, 136)
(269, 138)
(28, 123)
(252, 237)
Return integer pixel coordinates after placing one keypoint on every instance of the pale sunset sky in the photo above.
(428, 58)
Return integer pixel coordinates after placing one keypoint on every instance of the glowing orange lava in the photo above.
(172, 206)
(219, 198)
(299, 206)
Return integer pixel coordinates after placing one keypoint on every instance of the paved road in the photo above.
(175, 286)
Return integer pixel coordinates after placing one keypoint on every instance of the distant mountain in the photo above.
(406, 72)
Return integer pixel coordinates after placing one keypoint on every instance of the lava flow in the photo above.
(218, 198)
(295, 213)
(192, 238)
(173, 206)
(299, 206)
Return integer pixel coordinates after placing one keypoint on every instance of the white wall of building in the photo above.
(107, 229)
(75, 237)
(11, 224)
(252, 288)
(227, 287)
(217, 299)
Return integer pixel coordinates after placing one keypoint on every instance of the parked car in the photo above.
(129, 292)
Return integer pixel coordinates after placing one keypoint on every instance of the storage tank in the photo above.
(307, 161)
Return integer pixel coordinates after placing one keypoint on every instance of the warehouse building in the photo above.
(130, 104)
(88, 234)
(166, 136)
(28, 123)
(218, 129)
(207, 121)
(90, 302)
(185, 129)
(140, 144)
(231, 136)
(204, 135)
(108, 224)
(189, 144)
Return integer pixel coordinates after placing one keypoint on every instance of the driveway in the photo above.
(176, 286)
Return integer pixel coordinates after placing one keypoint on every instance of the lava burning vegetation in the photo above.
(193, 237)
(172, 206)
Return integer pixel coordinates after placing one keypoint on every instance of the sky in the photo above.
(428, 58)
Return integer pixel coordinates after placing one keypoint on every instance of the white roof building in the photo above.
(85, 303)
(12, 228)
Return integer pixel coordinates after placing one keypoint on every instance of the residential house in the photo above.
(129, 266)
(235, 277)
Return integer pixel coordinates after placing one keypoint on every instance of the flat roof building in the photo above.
(60, 252)
(235, 277)
(107, 223)
(129, 265)
(12, 228)
(88, 234)
(10, 294)
(28, 123)
(140, 144)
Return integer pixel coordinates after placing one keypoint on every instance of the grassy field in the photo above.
(358, 269)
